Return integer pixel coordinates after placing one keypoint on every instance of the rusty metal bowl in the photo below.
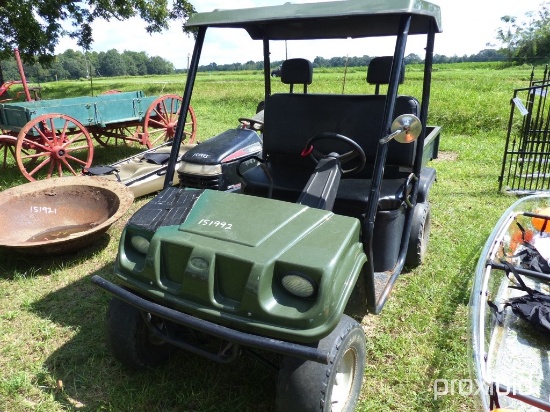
(60, 215)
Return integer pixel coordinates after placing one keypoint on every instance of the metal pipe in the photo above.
(526, 272)
(267, 69)
(22, 75)
(528, 399)
(178, 137)
(372, 206)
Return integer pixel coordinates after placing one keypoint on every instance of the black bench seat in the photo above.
(291, 119)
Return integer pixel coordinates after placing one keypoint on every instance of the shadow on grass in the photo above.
(14, 264)
(92, 379)
(459, 290)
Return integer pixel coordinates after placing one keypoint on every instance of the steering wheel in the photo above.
(254, 123)
(356, 150)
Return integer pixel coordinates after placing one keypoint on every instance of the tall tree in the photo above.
(158, 65)
(111, 63)
(74, 63)
(35, 26)
(136, 62)
(527, 41)
(507, 35)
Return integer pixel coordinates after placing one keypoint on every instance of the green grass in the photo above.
(52, 342)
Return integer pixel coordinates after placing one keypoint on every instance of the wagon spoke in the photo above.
(76, 159)
(64, 160)
(6, 148)
(188, 132)
(50, 169)
(35, 155)
(41, 165)
(191, 126)
(157, 136)
(59, 168)
(35, 145)
(12, 151)
(44, 138)
(52, 130)
(163, 112)
(58, 137)
(47, 132)
(64, 131)
(39, 129)
(75, 149)
(172, 117)
(77, 138)
(156, 123)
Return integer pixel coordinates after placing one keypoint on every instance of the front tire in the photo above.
(129, 338)
(309, 386)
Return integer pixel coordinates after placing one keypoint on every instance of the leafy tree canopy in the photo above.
(75, 65)
(528, 40)
(35, 26)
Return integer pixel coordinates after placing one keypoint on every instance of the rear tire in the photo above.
(307, 386)
(420, 235)
(130, 340)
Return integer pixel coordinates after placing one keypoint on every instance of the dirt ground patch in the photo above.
(446, 155)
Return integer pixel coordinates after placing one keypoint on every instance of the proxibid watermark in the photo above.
(462, 387)
(469, 387)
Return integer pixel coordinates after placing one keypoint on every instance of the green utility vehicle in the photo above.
(323, 225)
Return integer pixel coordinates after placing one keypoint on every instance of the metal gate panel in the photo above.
(526, 160)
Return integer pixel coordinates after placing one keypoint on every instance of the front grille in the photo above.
(200, 182)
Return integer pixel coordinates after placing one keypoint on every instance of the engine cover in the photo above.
(215, 163)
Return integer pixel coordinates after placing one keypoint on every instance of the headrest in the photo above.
(379, 70)
(297, 71)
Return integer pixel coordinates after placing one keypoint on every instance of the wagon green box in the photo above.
(90, 111)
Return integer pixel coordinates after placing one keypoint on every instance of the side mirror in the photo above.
(404, 129)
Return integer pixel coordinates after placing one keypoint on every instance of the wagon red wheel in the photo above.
(61, 143)
(161, 120)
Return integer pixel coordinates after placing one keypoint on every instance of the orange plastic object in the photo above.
(540, 223)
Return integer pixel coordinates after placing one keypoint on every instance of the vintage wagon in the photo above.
(54, 137)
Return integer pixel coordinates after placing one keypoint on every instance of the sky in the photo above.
(468, 26)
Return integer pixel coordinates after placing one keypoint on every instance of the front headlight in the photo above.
(140, 243)
(299, 284)
(198, 169)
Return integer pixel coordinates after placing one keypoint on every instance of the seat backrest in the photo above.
(292, 119)
(297, 71)
(379, 71)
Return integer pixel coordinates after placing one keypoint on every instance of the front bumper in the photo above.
(246, 339)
